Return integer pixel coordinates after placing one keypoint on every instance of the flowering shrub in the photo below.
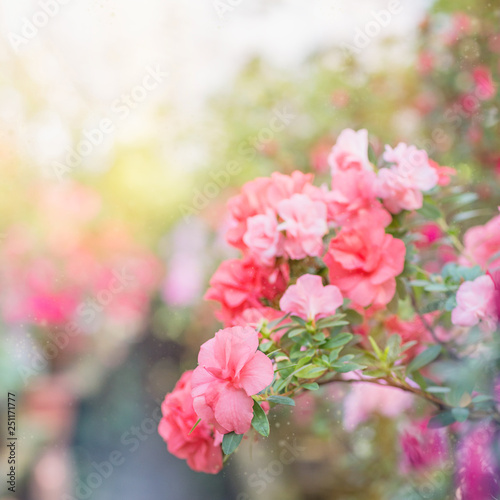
(343, 284)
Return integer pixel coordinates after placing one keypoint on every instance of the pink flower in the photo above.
(422, 447)
(482, 244)
(444, 173)
(201, 448)
(485, 86)
(262, 196)
(476, 303)
(477, 469)
(364, 399)
(401, 185)
(363, 261)
(350, 151)
(263, 238)
(354, 191)
(241, 284)
(304, 221)
(310, 300)
(230, 371)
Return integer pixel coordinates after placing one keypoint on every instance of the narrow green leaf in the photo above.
(281, 400)
(311, 371)
(441, 420)
(230, 442)
(259, 421)
(338, 340)
(353, 317)
(424, 358)
(194, 426)
(311, 386)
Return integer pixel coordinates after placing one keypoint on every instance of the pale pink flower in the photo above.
(201, 447)
(350, 151)
(401, 185)
(304, 221)
(310, 300)
(482, 244)
(364, 399)
(263, 238)
(476, 304)
(363, 261)
(230, 370)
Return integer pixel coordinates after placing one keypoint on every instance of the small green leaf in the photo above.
(311, 371)
(353, 317)
(230, 442)
(311, 386)
(419, 283)
(441, 420)
(298, 320)
(436, 287)
(393, 305)
(438, 390)
(259, 421)
(424, 358)
(338, 340)
(481, 398)
(347, 367)
(430, 211)
(194, 426)
(460, 414)
(281, 400)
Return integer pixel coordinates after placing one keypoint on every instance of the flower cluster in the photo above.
(360, 279)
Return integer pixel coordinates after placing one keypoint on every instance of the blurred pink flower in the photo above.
(476, 304)
(304, 222)
(422, 447)
(482, 244)
(201, 448)
(310, 300)
(401, 185)
(231, 369)
(350, 151)
(444, 173)
(364, 399)
(485, 86)
(363, 261)
(477, 469)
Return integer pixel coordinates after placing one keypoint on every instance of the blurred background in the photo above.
(124, 128)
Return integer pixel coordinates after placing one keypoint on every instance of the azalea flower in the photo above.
(230, 370)
(310, 300)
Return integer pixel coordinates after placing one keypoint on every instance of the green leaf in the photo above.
(353, 317)
(281, 400)
(481, 398)
(311, 386)
(298, 320)
(294, 332)
(471, 214)
(259, 421)
(430, 211)
(460, 414)
(393, 348)
(338, 340)
(230, 442)
(424, 358)
(441, 420)
(436, 287)
(194, 426)
(347, 367)
(401, 288)
(393, 305)
(419, 283)
(311, 371)
(438, 390)
(376, 348)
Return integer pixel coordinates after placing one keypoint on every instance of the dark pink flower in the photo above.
(201, 448)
